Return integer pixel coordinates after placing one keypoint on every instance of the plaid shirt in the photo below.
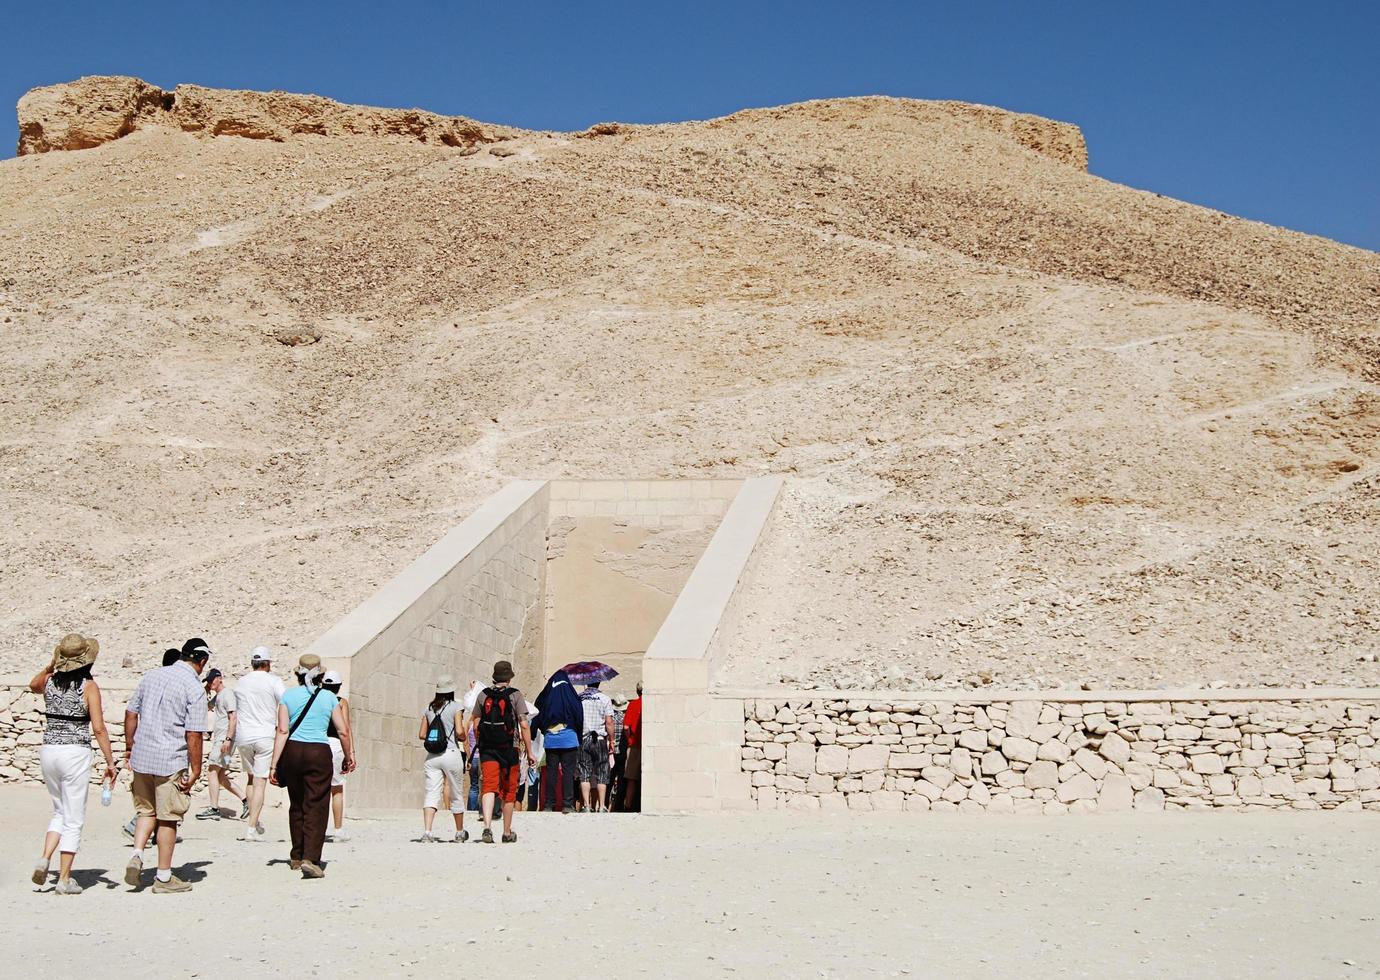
(617, 730)
(597, 707)
(170, 702)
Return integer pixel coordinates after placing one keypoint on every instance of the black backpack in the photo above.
(436, 741)
(497, 723)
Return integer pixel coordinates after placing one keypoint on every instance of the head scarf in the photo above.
(558, 704)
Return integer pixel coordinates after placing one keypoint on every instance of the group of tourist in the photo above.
(515, 750)
(299, 738)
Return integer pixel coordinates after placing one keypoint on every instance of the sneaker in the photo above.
(510, 837)
(133, 870)
(210, 813)
(339, 837)
(255, 834)
(244, 809)
(427, 838)
(40, 875)
(462, 836)
(295, 864)
(312, 870)
(67, 887)
(487, 837)
(173, 886)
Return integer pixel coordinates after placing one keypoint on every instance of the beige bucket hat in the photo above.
(74, 652)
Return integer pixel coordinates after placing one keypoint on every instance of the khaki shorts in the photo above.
(159, 797)
(256, 755)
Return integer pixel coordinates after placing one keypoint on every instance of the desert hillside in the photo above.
(261, 349)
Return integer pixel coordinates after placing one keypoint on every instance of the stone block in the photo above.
(1149, 799)
(889, 801)
(800, 759)
(867, 758)
(1090, 763)
(1115, 749)
(872, 781)
(1081, 787)
(1042, 774)
(917, 804)
(1222, 784)
(1054, 751)
(928, 790)
(993, 763)
(1022, 717)
(818, 784)
(954, 793)
(1019, 749)
(1208, 764)
(961, 762)
(860, 802)
(973, 739)
(832, 760)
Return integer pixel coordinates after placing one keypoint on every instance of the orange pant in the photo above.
(493, 778)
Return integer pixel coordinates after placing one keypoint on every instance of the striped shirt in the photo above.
(170, 702)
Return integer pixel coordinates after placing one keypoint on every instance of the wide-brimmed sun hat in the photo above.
(308, 662)
(445, 684)
(74, 652)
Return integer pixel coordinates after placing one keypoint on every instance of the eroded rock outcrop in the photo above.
(100, 108)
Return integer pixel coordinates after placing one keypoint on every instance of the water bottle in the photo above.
(106, 793)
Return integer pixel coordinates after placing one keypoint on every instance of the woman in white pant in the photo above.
(446, 765)
(72, 706)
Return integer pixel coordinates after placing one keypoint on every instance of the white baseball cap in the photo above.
(261, 655)
(332, 677)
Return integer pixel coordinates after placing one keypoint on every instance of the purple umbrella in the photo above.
(589, 672)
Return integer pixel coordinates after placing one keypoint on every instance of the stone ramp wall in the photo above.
(1031, 754)
(474, 597)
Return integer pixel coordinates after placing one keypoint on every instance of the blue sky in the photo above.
(1267, 109)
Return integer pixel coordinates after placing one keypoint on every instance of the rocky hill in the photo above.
(1039, 428)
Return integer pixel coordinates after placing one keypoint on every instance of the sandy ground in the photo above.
(1036, 427)
(1227, 895)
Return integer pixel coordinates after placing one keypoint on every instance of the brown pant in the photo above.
(304, 769)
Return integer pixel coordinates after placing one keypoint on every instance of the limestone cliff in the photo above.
(100, 108)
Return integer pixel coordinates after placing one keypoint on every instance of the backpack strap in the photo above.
(305, 708)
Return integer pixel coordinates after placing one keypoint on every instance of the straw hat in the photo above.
(308, 662)
(74, 652)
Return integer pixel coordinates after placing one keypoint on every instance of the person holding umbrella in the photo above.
(596, 744)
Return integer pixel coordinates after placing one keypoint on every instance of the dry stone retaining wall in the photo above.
(21, 730)
(1031, 756)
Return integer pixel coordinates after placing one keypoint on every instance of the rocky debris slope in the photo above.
(100, 108)
(1037, 429)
